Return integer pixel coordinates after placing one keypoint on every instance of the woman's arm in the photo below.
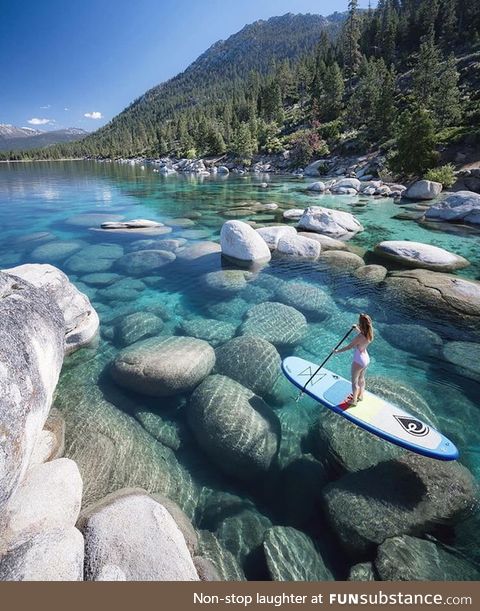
(350, 346)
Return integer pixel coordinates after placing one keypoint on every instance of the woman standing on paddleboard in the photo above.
(361, 359)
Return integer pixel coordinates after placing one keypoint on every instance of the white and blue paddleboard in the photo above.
(373, 413)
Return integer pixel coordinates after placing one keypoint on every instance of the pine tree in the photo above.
(448, 24)
(426, 70)
(332, 103)
(351, 39)
(243, 145)
(385, 110)
(446, 101)
(416, 143)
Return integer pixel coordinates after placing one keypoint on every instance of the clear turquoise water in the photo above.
(123, 439)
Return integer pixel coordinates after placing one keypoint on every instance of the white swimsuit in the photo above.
(361, 357)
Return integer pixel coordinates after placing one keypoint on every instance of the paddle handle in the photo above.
(326, 360)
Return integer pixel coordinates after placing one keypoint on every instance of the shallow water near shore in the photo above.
(120, 438)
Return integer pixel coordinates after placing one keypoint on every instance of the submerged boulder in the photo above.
(407, 558)
(418, 255)
(409, 495)
(292, 556)
(329, 222)
(130, 534)
(342, 260)
(163, 366)
(32, 335)
(137, 326)
(307, 298)
(224, 561)
(438, 297)
(465, 357)
(251, 361)
(81, 319)
(235, 427)
(227, 282)
(326, 242)
(242, 243)
(215, 332)
(56, 250)
(363, 571)
(94, 258)
(416, 339)
(275, 322)
(144, 262)
(370, 274)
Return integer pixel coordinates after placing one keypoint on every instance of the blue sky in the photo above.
(77, 63)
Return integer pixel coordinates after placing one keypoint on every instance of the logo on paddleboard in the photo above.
(308, 373)
(412, 426)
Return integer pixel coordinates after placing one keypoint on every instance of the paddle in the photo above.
(324, 362)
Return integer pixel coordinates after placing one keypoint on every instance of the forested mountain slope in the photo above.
(403, 78)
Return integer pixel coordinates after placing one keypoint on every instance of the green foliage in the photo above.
(416, 144)
(444, 174)
(307, 144)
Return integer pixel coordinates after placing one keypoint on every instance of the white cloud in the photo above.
(37, 121)
(46, 106)
(93, 115)
(66, 108)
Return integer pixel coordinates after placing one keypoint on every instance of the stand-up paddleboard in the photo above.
(372, 413)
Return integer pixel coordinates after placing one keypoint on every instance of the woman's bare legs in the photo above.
(361, 383)
(356, 372)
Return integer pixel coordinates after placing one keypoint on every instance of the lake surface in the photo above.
(121, 438)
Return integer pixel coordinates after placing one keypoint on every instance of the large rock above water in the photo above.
(423, 189)
(460, 207)
(242, 243)
(81, 319)
(298, 247)
(410, 559)
(32, 334)
(235, 427)
(418, 255)
(251, 361)
(409, 495)
(271, 235)
(279, 324)
(333, 223)
(436, 296)
(49, 497)
(132, 536)
(163, 366)
(292, 556)
(53, 555)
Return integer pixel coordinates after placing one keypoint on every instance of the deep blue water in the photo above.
(119, 438)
